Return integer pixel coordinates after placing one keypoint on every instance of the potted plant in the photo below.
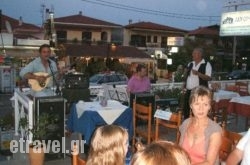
(36, 147)
(173, 93)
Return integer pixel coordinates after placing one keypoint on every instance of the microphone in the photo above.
(48, 61)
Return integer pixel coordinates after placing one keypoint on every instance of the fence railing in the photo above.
(94, 90)
(23, 106)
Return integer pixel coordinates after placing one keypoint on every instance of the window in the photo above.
(114, 78)
(138, 40)
(122, 77)
(163, 42)
(155, 39)
(86, 36)
(61, 36)
(148, 38)
(104, 36)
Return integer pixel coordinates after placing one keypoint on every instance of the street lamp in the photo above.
(111, 47)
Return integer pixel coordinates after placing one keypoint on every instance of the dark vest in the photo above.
(202, 69)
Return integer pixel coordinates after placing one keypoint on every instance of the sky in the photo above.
(183, 14)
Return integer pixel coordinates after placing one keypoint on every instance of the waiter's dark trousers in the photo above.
(186, 109)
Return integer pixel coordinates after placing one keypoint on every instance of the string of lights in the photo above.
(153, 12)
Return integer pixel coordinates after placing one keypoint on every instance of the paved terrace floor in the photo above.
(6, 108)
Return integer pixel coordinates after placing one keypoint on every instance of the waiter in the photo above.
(198, 72)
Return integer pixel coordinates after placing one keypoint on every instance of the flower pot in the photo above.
(36, 155)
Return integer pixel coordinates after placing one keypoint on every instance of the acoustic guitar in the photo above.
(38, 86)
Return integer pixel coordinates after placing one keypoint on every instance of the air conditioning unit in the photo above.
(7, 39)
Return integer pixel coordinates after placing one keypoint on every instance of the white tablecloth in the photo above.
(241, 100)
(223, 94)
(109, 113)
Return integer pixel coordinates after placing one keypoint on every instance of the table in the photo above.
(222, 97)
(241, 106)
(85, 117)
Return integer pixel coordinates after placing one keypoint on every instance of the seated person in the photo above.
(161, 153)
(108, 146)
(241, 152)
(200, 136)
(138, 83)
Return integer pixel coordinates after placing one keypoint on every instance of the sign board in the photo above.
(175, 41)
(31, 42)
(235, 23)
(165, 115)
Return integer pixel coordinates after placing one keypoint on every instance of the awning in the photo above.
(104, 51)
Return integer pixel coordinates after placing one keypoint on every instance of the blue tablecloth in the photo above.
(89, 120)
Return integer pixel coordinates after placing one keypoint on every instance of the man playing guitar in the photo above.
(38, 73)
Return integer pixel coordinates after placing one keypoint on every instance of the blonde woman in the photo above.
(108, 146)
(200, 136)
(161, 153)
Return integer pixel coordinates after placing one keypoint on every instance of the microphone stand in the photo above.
(54, 80)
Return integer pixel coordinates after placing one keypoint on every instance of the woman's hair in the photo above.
(107, 146)
(161, 153)
(200, 91)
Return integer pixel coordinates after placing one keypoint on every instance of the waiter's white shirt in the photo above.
(193, 80)
(244, 145)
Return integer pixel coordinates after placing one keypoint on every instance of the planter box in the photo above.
(171, 103)
(5, 138)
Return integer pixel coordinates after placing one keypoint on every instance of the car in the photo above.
(238, 74)
(110, 78)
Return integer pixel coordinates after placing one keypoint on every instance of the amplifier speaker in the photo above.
(55, 107)
(143, 98)
(76, 81)
(74, 95)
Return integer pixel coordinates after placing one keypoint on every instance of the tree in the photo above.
(185, 53)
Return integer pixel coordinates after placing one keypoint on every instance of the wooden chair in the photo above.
(229, 141)
(142, 113)
(76, 160)
(233, 136)
(225, 149)
(242, 88)
(173, 123)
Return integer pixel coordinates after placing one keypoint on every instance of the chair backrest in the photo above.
(225, 148)
(142, 113)
(76, 160)
(242, 88)
(174, 122)
(233, 136)
(229, 142)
